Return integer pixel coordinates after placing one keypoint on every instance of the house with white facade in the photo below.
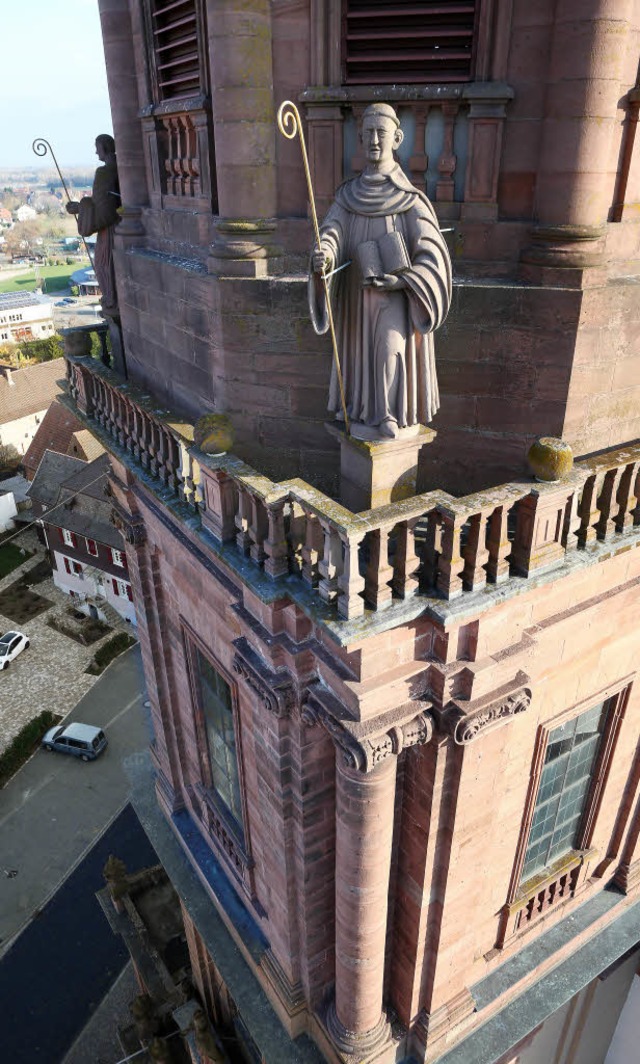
(87, 552)
(25, 213)
(25, 316)
(25, 396)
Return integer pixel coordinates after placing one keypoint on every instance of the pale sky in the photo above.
(52, 81)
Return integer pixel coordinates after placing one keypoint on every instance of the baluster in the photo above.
(275, 545)
(198, 500)
(311, 549)
(243, 517)
(178, 182)
(419, 161)
(172, 461)
(475, 554)
(447, 161)
(294, 531)
(134, 440)
(432, 547)
(626, 498)
(120, 417)
(589, 511)
(329, 567)
(379, 573)
(449, 578)
(161, 453)
(498, 545)
(350, 583)
(152, 446)
(571, 527)
(407, 562)
(606, 526)
(112, 427)
(144, 440)
(257, 529)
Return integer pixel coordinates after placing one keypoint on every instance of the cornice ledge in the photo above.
(364, 745)
(468, 721)
(275, 690)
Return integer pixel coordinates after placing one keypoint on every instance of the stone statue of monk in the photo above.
(388, 305)
(98, 213)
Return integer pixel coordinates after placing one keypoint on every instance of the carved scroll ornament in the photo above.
(467, 727)
(364, 753)
(275, 690)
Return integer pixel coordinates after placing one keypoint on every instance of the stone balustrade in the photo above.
(352, 565)
(156, 441)
(451, 148)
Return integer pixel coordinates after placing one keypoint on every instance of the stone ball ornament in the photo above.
(213, 433)
(550, 459)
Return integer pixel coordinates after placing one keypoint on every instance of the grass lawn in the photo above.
(11, 557)
(56, 278)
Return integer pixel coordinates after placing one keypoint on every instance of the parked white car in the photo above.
(11, 644)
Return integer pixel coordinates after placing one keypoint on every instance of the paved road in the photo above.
(55, 808)
(60, 968)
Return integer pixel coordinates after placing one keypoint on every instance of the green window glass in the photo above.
(571, 756)
(215, 699)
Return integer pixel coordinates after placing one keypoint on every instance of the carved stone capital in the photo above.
(363, 752)
(467, 722)
(275, 690)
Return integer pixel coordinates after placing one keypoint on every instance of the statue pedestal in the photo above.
(376, 472)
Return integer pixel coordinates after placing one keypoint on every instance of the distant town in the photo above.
(47, 282)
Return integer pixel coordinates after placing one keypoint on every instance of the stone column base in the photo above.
(376, 472)
(243, 248)
(356, 1048)
(569, 256)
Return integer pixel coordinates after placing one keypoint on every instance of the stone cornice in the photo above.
(468, 721)
(364, 746)
(275, 690)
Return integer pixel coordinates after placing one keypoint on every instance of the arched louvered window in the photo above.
(175, 37)
(403, 41)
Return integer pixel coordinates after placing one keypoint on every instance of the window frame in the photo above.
(89, 543)
(577, 861)
(217, 819)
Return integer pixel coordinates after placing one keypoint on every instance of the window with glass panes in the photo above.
(572, 753)
(217, 707)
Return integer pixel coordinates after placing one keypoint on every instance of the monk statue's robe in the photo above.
(98, 213)
(385, 337)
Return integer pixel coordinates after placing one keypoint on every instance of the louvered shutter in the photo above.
(401, 41)
(115, 586)
(174, 28)
(67, 565)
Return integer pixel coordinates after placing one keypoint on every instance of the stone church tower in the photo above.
(395, 775)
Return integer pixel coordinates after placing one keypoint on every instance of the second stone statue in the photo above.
(390, 286)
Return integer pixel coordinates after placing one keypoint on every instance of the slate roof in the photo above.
(30, 389)
(61, 431)
(78, 489)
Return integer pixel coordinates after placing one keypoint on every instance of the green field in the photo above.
(56, 278)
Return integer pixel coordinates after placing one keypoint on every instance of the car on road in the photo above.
(79, 740)
(61, 303)
(11, 644)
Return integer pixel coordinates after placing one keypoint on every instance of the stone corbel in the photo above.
(275, 690)
(130, 527)
(364, 747)
(468, 721)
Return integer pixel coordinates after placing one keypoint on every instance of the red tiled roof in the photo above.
(55, 433)
(28, 390)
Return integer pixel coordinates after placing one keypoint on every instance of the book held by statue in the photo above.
(388, 254)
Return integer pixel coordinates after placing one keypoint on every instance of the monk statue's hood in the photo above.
(377, 195)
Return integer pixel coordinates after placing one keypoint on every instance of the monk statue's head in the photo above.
(381, 134)
(105, 146)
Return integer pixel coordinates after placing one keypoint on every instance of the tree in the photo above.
(10, 459)
(21, 239)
